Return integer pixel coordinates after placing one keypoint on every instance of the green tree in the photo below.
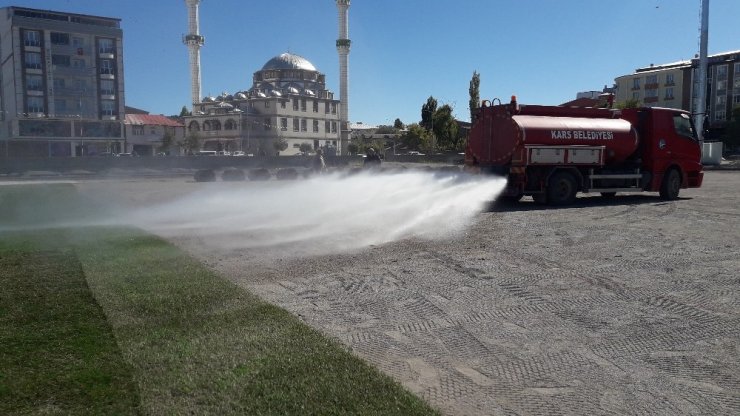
(385, 130)
(167, 140)
(305, 147)
(632, 103)
(191, 143)
(416, 137)
(353, 147)
(445, 128)
(427, 113)
(184, 112)
(280, 145)
(731, 137)
(398, 124)
(474, 91)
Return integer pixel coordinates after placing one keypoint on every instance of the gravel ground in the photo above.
(628, 306)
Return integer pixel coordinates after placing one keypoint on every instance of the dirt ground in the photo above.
(623, 306)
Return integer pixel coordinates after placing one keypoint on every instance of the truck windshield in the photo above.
(684, 127)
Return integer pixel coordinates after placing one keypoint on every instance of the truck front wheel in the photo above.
(671, 185)
(561, 189)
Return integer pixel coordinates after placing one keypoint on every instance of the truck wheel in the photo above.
(561, 189)
(671, 185)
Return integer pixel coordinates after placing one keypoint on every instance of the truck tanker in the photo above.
(551, 153)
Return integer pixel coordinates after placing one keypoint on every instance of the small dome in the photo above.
(289, 61)
(208, 99)
(240, 96)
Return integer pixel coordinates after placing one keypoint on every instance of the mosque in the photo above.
(288, 103)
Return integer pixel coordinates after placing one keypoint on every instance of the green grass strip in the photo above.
(201, 345)
(57, 353)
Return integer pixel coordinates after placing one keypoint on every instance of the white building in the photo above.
(288, 101)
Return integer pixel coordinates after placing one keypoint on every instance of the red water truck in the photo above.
(552, 153)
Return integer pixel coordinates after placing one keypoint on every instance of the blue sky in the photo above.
(403, 51)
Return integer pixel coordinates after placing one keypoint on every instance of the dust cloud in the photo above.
(322, 215)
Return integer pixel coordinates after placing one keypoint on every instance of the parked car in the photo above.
(238, 153)
(415, 153)
(206, 153)
(125, 155)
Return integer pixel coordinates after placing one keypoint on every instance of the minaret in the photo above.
(194, 41)
(343, 44)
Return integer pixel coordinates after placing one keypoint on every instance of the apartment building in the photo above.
(674, 85)
(61, 84)
(288, 101)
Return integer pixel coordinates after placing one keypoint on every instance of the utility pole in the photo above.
(701, 104)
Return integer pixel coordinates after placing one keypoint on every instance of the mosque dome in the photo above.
(289, 61)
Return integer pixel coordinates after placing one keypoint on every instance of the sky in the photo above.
(403, 51)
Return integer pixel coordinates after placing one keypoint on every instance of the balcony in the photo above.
(652, 86)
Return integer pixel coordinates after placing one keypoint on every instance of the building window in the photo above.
(650, 80)
(194, 126)
(78, 42)
(58, 83)
(651, 93)
(315, 106)
(669, 79)
(282, 104)
(721, 100)
(333, 126)
(316, 126)
(106, 45)
(303, 104)
(32, 60)
(31, 38)
(636, 83)
(722, 72)
(720, 115)
(34, 83)
(59, 38)
(35, 105)
(295, 104)
(333, 108)
(284, 124)
(326, 107)
(215, 124)
(669, 93)
(636, 96)
(60, 106)
(107, 87)
(60, 60)
(303, 125)
(268, 124)
(106, 67)
(267, 104)
(327, 126)
(107, 107)
(230, 125)
(295, 124)
(78, 63)
(735, 100)
(721, 86)
(137, 130)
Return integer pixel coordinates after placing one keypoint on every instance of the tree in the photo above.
(385, 130)
(305, 147)
(184, 112)
(167, 140)
(280, 145)
(445, 128)
(474, 91)
(353, 147)
(190, 143)
(398, 124)
(416, 137)
(633, 103)
(427, 113)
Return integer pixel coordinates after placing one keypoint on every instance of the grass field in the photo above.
(115, 321)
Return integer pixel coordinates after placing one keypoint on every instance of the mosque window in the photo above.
(282, 103)
(326, 107)
(284, 124)
(193, 126)
(295, 124)
(207, 125)
(315, 106)
(215, 125)
(303, 125)
(316, 126)
(230, 125)
(333, 108)
(267, 104)
(303, 104)
(295, 104)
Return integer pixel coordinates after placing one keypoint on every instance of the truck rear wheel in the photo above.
(671, 185)
(561, 189)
